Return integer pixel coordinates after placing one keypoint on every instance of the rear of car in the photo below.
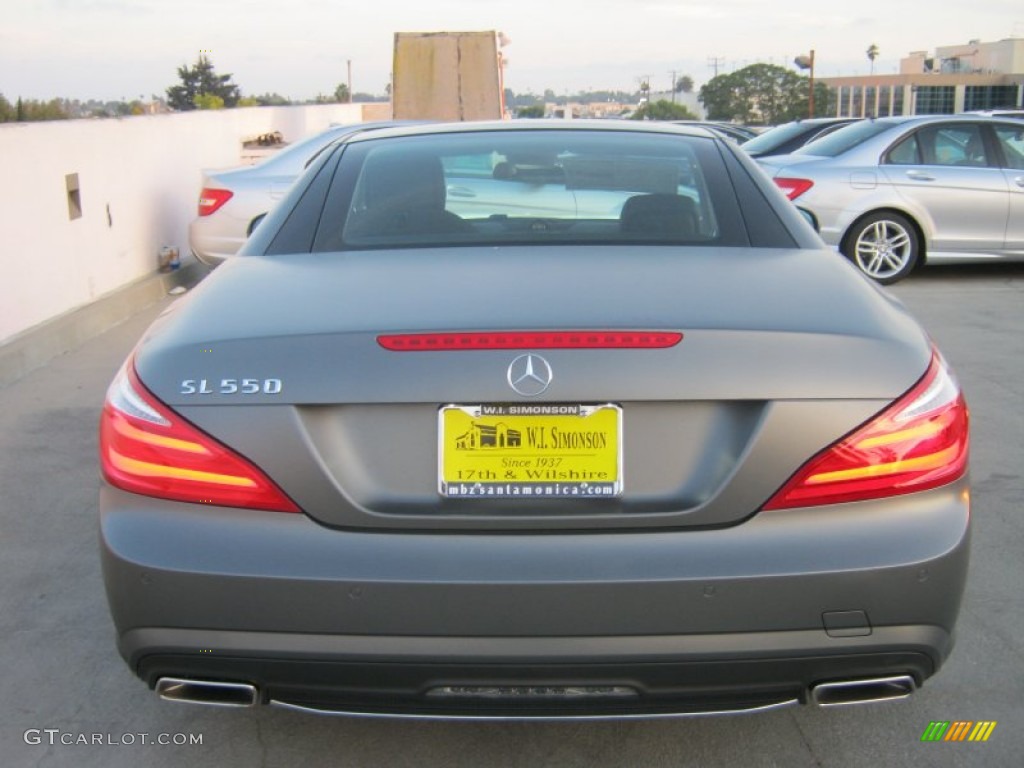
(551, 421)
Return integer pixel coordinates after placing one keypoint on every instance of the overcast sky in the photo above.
(112, 49)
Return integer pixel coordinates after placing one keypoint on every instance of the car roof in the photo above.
(608, 126)
(959, 117)
(820, 120)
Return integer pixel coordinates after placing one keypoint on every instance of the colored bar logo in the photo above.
(958, 730)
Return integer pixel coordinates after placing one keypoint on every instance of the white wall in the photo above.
(144, 171)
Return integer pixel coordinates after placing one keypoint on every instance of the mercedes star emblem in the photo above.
(529, 375)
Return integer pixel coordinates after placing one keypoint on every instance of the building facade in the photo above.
(959, 78)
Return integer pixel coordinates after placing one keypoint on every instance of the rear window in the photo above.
(531, 186)
(844, 139)
(775, 137)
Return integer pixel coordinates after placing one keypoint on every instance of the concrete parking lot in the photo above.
(67, 699)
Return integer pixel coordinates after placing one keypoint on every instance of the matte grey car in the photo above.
(668, 457)
(895, 193)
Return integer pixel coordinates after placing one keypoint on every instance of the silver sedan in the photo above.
(893, 193)
(232, 201)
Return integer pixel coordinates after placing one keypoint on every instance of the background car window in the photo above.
(953, 145)
(1011, 139)
(905, 153)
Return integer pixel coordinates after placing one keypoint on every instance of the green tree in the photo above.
(208, 101)
(872, 53)
(761, 93)
(201, 80)
(6, 110)
(536, 110)
(272, 100)
(684, 84)
(663, 110)
(341, 94)
(32, 110)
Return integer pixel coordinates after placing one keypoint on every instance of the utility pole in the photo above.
(673, 73)
(714, 62)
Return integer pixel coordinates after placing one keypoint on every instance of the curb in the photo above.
(35, 347)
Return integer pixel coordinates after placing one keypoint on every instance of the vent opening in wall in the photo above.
(74, 196)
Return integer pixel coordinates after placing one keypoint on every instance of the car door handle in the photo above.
(461, 192)
(920, 176)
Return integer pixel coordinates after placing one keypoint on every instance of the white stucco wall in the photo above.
(144, 171)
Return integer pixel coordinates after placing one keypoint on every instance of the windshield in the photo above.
(844, 139)
(503, 187)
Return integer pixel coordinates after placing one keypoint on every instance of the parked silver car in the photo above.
(232, 201)
(895, 192)
(406, 456)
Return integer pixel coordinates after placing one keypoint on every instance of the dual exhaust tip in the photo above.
(833, 694)
(843, 692)
(207, 692)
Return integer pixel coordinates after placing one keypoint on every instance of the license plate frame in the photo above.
(530, 452)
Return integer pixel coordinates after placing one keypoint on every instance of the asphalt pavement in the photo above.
(67, 699)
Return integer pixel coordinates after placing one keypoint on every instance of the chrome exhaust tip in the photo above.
(207, 692)
(844, 692)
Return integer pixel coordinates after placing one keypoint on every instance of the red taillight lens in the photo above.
(793, 187)
(919, 442)
(146, 448)
(436, 342)
(211, 199)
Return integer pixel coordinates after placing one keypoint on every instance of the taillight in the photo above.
(211, 199)
(919, 442)
(793, 187)
(438, 342)
(148, 449)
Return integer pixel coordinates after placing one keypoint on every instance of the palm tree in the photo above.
(872, 55)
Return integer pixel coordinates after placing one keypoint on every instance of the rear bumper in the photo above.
(536, 625)
(542, 678)
(212, 240)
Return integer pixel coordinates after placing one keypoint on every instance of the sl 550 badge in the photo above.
(231, 387)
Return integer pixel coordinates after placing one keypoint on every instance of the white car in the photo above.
(232, 201)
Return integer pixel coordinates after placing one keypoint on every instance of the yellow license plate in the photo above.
(530, 451)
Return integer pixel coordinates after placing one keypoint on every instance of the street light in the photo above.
(807, 62)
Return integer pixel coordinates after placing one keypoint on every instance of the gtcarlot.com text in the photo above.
(56, 737)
